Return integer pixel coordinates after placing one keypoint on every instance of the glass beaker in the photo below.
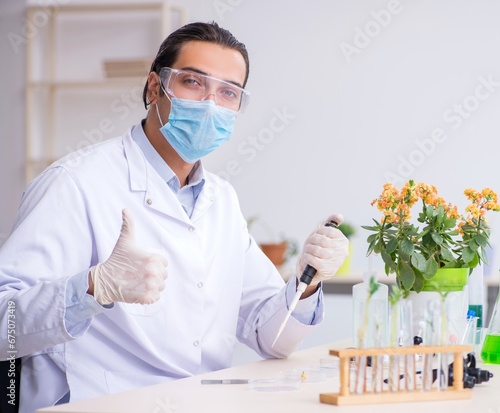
(491, 346)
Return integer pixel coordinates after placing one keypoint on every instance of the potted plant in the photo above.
(436, 255)
(278, 250)
(349, 231)
(445, 240)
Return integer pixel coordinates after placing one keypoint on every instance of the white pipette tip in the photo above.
(300, 289)
(282, 326)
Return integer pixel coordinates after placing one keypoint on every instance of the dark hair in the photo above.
(205, 32)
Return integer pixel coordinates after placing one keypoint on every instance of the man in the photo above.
(95, 312)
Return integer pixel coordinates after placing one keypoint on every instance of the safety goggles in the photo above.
(186, 84)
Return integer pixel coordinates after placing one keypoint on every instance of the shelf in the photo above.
(75, 94)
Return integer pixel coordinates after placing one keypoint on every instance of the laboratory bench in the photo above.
(190, 395)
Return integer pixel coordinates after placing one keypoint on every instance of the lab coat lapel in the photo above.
(143, 178)
(206, 198)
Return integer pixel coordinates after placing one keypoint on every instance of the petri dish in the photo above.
(330, 365)
(285, 380)
(272, 385)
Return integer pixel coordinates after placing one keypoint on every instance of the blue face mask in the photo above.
(196, 128)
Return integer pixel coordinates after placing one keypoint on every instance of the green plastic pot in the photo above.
(448, 279)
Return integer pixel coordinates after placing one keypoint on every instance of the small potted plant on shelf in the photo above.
(446, 242)
(277, 249)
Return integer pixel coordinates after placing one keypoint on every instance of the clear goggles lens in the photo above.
(184, 84)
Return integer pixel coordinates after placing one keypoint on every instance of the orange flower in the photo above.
(426, 192)
(489, 195)
(475, 211)
(472, 195)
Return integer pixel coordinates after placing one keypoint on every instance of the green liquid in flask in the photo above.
(491, 349)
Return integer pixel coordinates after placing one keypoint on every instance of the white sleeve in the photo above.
(37, 262)
(80, 306)
(264, 306)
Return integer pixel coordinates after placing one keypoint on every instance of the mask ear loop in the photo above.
(156, 104)
(158, 113)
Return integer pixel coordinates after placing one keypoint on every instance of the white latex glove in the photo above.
(325, 250)
(130, 274)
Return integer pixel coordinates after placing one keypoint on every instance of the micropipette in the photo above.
(305, 279)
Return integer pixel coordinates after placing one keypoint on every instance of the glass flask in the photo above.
(491, 346)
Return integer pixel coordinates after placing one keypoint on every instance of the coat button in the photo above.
(191, 229)
(196, 343)
(200, 285)
(149, 201)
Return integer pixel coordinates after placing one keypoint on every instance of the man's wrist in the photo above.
(310, 289)
(90, 290)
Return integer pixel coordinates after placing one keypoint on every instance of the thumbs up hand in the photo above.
(130, 274)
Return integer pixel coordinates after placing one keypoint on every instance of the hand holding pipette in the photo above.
(324, 252)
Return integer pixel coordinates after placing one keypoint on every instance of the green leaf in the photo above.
(418, 261)
(429, 211)
(431, 268)
(391, 245)
(468, 255)
(370, 247)
(426, 239)
(474, 262)
(406, 274)
(438, 239)
(482, 256)
(473, 245)
(440, 215)
(373, 286)
(407, 247)
(372, 237)
(447, 255)
(388, 260)
(450, 223)
(378, 247)
(418, 285)
(481, 240)
(387, 270)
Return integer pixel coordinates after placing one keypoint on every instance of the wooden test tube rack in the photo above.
(346, 397)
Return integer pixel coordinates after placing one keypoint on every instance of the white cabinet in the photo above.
(71, 101)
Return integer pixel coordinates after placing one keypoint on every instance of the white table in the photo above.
(189, 395)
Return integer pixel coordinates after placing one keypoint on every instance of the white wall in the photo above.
(353, 121)
(361, 117)
(11, 115)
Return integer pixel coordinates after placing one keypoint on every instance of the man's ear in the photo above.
(153, 88)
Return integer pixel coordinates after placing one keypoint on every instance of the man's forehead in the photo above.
(212, 59)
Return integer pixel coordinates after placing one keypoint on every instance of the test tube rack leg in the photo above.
(402, 394)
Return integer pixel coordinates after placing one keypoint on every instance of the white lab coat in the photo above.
(221, 288)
